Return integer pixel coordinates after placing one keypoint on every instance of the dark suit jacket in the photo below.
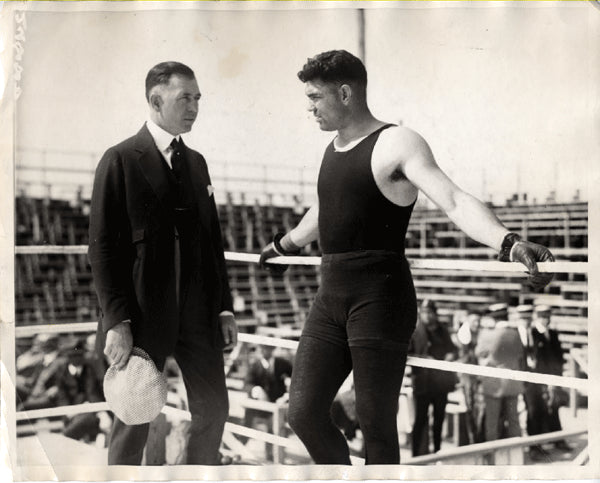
(435, 343)
(132, 245)
(547, 352)
(272, 380)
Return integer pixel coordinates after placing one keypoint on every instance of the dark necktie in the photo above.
(177, 157)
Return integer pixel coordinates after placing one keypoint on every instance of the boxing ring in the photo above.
(506, 451)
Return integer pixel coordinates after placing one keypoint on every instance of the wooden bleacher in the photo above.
(58, 288)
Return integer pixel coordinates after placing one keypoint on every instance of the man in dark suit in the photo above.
(157, 258)
(430, 340)
(543, 402)
(268, 379)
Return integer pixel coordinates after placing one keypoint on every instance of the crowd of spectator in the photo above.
(65, 370)
(517, 338)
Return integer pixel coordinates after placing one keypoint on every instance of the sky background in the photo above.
(506, 96)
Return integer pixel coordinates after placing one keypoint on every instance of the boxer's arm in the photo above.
(304, 233)
(307, 231)
(404, 151)
(410, 153)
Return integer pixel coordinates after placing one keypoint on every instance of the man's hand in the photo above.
(528, 254)
(259, 394)
(119, 343)
(229, 330)
(104, 422)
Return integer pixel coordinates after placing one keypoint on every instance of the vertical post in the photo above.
(572, 391)
(567, 233)
(423, 236)
(361, 35)
(302, 185)
(278, 423)
(264, 180)
(155, 453)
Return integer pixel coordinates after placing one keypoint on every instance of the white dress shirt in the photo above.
(162, 139)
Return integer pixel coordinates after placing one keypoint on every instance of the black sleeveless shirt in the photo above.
(353, 213)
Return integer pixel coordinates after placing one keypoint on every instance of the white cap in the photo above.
(137, 392)
(524, 308)
(542, 308)
(497, 307)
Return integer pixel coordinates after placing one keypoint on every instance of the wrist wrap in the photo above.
(507, 243)
(279, 249)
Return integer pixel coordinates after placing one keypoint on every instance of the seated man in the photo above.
(268, 379)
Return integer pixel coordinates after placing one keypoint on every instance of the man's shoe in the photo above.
(562, 445)
(537, 453)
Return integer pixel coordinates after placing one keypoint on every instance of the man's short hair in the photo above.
(336, 66)
(161, 74)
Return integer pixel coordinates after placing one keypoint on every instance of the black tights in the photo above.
(319, 370)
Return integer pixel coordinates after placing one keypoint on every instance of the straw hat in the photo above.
(137, 392)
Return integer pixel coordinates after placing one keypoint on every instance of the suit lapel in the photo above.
(153, 168)
(153, 165)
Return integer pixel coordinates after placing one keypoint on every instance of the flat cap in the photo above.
(137, 392)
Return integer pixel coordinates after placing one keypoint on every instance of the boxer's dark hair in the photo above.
(161, 74)
(336, 66)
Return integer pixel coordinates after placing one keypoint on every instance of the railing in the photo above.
(506, 447)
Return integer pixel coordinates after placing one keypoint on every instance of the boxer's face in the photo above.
(324, 101)
(177, 104)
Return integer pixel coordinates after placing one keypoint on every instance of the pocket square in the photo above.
(210, 190)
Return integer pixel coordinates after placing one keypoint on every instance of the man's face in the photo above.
(544, 319)
(428, 315)
(179, 107)
(524, 320)
(474, 321)
(325, 103)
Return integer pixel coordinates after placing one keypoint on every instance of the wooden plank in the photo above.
(51, 449)
(466, 285)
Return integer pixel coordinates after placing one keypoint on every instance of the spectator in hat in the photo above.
(500, 347)
(523, 318)
(431, 340)
(268, 379)
(466, 338)
(35, 369)
(80, 381)
(543, 402)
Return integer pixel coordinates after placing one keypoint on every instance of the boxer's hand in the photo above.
(274, 249)
(528, 254)
(267, 253)
(229, 331)
(119, 343)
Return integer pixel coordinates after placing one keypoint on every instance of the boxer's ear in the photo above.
(345, 92)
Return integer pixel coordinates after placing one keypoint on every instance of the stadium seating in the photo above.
(58, 288)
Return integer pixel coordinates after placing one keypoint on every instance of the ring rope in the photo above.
(580, 384)
(295, 445)
(431, 263)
